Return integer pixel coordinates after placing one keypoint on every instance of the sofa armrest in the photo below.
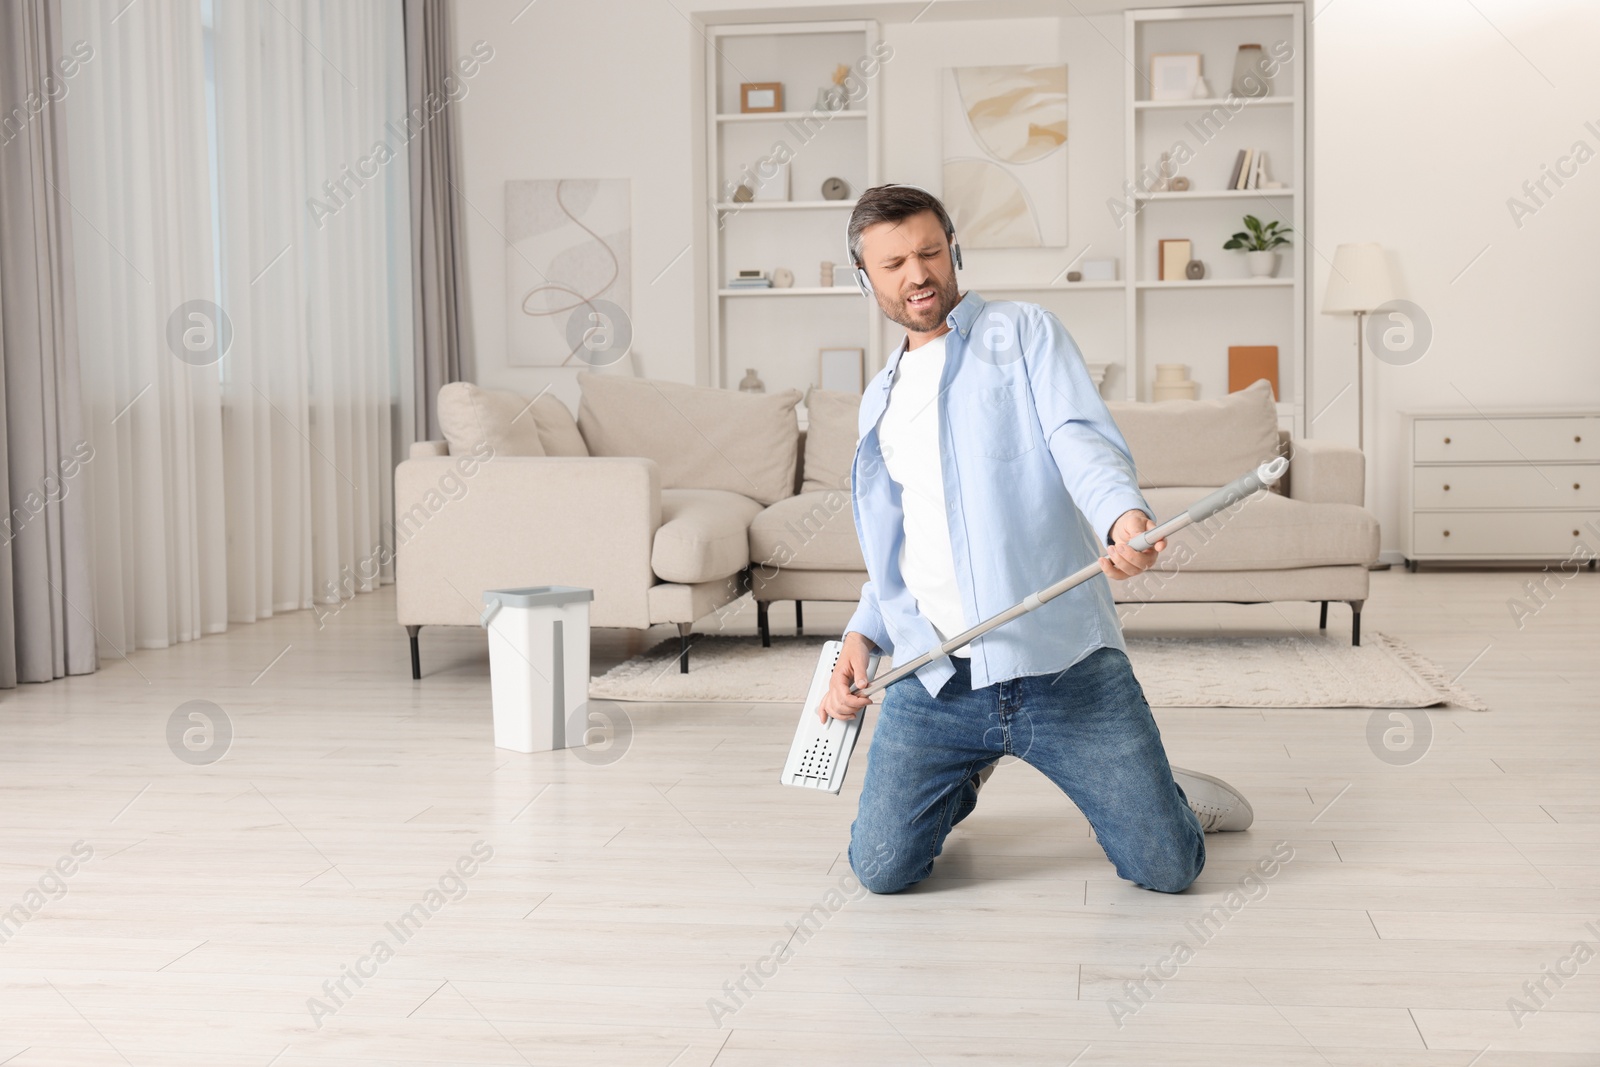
(1321, 472)
(463, 525)
(429, 449)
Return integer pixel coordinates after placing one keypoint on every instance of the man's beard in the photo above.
(946, 297)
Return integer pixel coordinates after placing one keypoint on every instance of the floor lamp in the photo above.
(1359, 283)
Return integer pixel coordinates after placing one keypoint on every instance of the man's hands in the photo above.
(1122, 562)
(851, 669)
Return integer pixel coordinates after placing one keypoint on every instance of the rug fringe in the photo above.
(1432, 674)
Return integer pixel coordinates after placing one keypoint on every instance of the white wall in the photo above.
(582, 89)
(1426, 117)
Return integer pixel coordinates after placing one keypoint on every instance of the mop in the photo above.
(820, 753)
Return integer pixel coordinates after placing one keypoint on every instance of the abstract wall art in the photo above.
(568, 270)
(1005, 155)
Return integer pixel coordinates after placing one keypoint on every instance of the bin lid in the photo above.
(537, 596)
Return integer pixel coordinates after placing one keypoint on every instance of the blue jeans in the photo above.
(1088, 729)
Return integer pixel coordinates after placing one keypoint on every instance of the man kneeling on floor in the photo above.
(988, 468)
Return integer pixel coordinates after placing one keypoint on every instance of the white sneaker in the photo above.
(1220, 807)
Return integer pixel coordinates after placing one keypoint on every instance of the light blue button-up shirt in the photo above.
(1035, 475)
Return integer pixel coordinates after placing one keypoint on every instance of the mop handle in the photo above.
(1199, 511)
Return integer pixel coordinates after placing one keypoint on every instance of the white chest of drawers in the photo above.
(1502, 485)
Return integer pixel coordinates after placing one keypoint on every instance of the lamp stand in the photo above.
(1361, 410)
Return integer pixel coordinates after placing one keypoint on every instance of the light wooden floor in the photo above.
(621, 897)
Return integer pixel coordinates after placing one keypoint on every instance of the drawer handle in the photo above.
(1447, 533)
(1577, 439)
(1447, 440)
(1447, 487)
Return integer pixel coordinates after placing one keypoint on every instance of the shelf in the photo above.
(1040, 287)
(785, 116)
(1209, 102)
(1221, 283)
(1214, 194)
(830, 290)
(782, 205)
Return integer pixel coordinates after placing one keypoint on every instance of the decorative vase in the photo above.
(1173, 383)
(752, 383)
(1250, 73)
(1262, 264)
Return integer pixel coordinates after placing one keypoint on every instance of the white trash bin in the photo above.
(538, 663)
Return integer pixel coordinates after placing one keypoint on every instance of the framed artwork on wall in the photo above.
(1005, 155)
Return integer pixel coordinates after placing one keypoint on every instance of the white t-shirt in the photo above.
(909, 435)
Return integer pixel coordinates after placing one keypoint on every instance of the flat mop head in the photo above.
(820, 753)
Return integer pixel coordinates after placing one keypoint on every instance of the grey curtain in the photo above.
(438, 283)
(45, 588)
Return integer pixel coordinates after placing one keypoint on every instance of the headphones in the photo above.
(862, 281)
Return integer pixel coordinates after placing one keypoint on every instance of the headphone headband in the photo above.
(863, 282)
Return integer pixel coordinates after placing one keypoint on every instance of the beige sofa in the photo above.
(673, 502)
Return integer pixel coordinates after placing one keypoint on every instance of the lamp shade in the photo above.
(1360, 280)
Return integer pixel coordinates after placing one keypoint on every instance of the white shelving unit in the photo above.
(779, 331)
(1163, 325)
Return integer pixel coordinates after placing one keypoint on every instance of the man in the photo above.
(988, 468)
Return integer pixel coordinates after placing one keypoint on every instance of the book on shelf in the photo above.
(1244, 172)
(1238, 166)
(750, 283)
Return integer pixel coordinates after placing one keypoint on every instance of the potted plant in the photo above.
(1259, 244)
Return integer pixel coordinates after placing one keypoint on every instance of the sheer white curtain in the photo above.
(258, 483)
(314, 255)
(137, 160)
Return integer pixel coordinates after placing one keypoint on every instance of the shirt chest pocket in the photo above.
(1005, 422)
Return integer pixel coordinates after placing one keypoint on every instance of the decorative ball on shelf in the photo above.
(835, 189)
(782, 278)
(1180, 184)
(743, 195)
(1195, 270)
(1074, 275)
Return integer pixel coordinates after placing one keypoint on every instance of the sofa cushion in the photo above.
(700, 438)
(704, 534)
(470, 415)
(558, 430)
(831, 421)
(1199, 442)
(814, 531)
(1266, 532)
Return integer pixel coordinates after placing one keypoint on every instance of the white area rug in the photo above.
(1175, 672)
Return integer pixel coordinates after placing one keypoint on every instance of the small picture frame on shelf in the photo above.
(1173, 259)
(1099, 270)
(1174, 75)
(775, 187)
(839, 369)
(757, 97)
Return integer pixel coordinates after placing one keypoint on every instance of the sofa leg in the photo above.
(1355, 621)
(799, 623)
(1322, 624)
(416, 655)
(683, 646)
(761, 623)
